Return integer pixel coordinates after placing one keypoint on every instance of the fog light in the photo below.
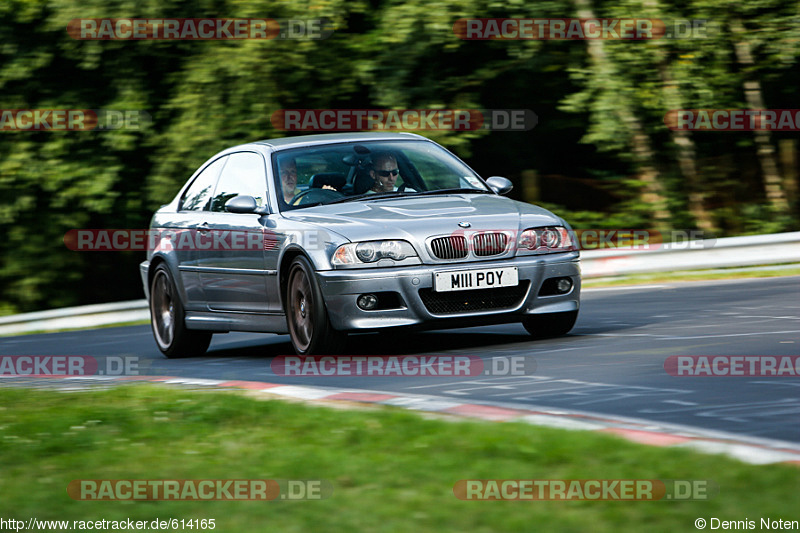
(564, 285)
(367, 302)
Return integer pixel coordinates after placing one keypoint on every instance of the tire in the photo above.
(167, 319)
(306, 315)
(550, 325)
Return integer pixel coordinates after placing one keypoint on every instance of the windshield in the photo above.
(358, 171)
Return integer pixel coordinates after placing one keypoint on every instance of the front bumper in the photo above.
(341, 289)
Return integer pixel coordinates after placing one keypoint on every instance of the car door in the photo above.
(232, 271)
(192, 209)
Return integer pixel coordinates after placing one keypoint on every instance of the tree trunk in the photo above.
(653, 190)
(766, 152)
(686, 151)
(787, 148)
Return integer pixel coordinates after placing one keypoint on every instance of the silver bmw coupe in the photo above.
(322, 235)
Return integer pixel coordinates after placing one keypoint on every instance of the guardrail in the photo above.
(772, 249)
(753, 250)
(84, 316)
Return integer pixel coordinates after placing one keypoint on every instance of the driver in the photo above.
(288, 173)
(385, 172)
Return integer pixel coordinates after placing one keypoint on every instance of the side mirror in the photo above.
(244, 204)
(500, 185)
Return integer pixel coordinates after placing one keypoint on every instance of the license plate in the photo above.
(485, 278)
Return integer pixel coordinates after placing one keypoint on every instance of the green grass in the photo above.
(392, 470)
(691, 275)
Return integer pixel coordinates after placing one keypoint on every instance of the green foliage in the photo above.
(390, 470)
(205, 96)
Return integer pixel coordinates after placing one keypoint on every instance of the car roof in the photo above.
(282, 143)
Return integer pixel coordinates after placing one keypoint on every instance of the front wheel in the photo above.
(550, 325)
(309, 326)
(167, 319)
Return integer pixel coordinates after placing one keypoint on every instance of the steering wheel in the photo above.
(405, 186)
(313, 196)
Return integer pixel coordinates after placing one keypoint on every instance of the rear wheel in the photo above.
(550, 325)
(167, 319)
(307, 318)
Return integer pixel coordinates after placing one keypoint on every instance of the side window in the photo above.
(244, 174)
(198, 195)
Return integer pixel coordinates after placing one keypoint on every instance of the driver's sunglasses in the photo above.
(387, 173)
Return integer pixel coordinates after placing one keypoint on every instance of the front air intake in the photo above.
(452, 247)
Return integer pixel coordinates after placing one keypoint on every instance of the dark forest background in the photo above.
(601, 155)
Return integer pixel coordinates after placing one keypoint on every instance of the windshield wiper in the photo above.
(367, 196)
(395, 194)
(455, 190)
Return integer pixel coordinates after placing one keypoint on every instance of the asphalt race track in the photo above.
(612, 362)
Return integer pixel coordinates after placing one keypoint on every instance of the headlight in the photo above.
(372, 251)
(544, 240)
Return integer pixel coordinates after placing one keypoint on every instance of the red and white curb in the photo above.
(748, 449)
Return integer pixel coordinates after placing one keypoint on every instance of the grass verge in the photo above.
(392, 470)
(692, 275)
(63, 330)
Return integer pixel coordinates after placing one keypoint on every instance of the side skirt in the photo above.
(224, 322)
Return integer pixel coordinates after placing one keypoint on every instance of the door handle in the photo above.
(203, 228)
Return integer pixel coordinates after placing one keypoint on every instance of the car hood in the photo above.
(416, 218)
